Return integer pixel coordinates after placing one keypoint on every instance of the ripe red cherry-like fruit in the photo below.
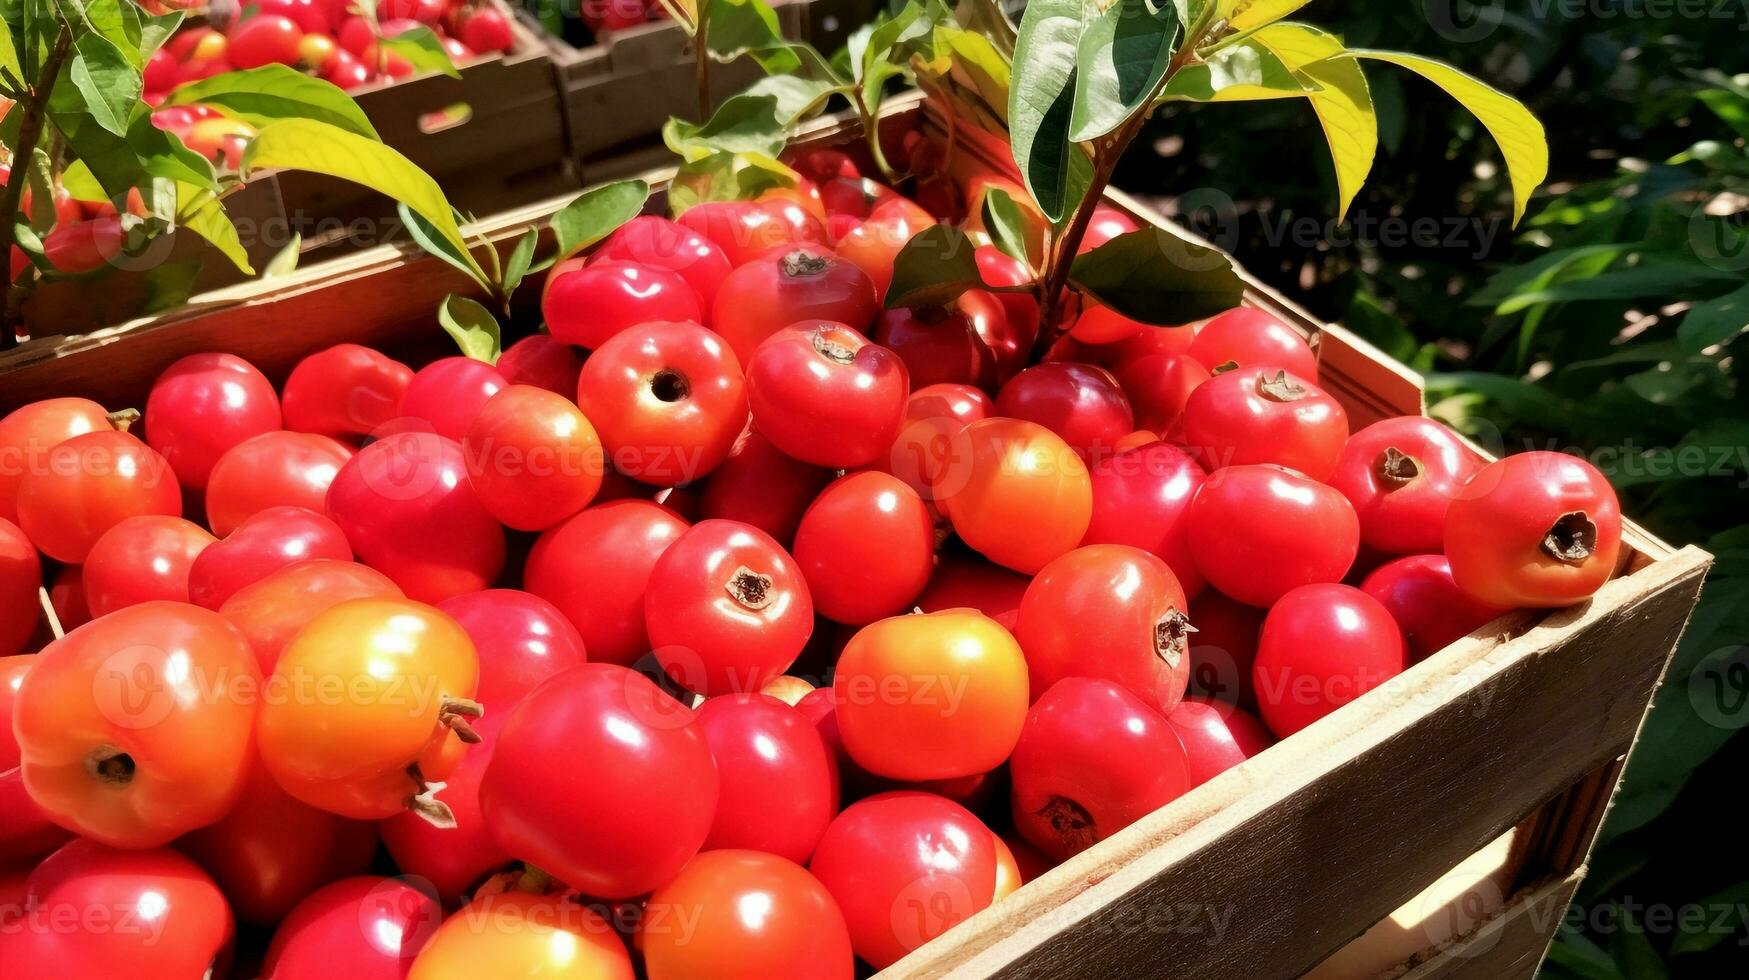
(873, 244)
(1109, 611)
(1107, 223)
(1216, 736)
(520, 640)
(1322, 646)
(726, 608)
(588, 306)
(866, 547)
(976, 584)
(264, 39)
(1092, 759)
(268, 541)
(752, 916)
(1223, 648)
(1419, 593)
(542, 362)
(373, 925)
(655, 241)
(779, 781)
(344, 391)
(945, 344)
(1140, 498)
(1250, 338)
(667, 400)
(1262, 415)
(934, 417)
(455, 860)
(825, 395)
(533, 457)
(602, 780)
(407, 508)
(903, 851)
(1020, 310)
(761, 486)
(269, 613)
(788, 285)
(448, 394)
(745, 230)
(89, 484)
(1159, 386)
(142, 559)
(1539, 529)
(1258, 532)
(21, 575)
(274, 469)
(595, 568)
(201, 406)
(1079, 402)
(29, 433)
(1401, 474)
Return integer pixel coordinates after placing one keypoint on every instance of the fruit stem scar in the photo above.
(123, 419)
(1172, 636)
(453, 713)
(425, 803)
(108, 764)
(749, 588)
(1396, 467)
(1280, 388)
(1571, 539)
(1071, 821)
(831, 349)
(802, 263)
(669, 385)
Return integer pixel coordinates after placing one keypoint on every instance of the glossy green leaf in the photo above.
(423, 50)
(271, 93)
(1156, 277)
(201, 211)
(742, 124)
(77, 181)
(1041, 101)
(1339, 96)
(154, 30)
(520, 260)
(108, 79)
(597, 213)
(284, 261)
(797, 98)
(887, 54)
(733, 28)
(473, 327)
(305, 144)
(1007, 224)
(1518, 133)
(453, 254)
(9, 53)
(1249, 14)
(727, 177)
(1122, 55)
(1241, 72)
(933, 269)
(168, 285)
(1716, 321)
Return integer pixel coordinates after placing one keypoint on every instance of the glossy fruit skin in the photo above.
(268, 541)
(519, 638)
(1159, 386)
(1251, 338)
(454, 860)
(1496, 526)
(399, 662)
(1419, 593)
(726, 609)
(962, 582)
(533, 936)
(1402, 502)
(1081, 403)
(21, 575)
(789, 285)
(797, 930)
(934, 416)
(745, 230)
(533, 458)
(204, 404)
(596, 567)
(945, 344)
(89, 484)
(1223, 648)
(873, 244)
(1104, 325)
(1216, 736)
(1020, 310)
(271, 851)
(573, 791)
(1107, 223)
(263, 40)
(1322, 646)
(1092, 760)
(760, 485)
(1016, 493)
(26, 832)
(779, 781)
(77, 247)
(30, 432)
(97, 890)
(542, 362)
(167, 685)
(866, 547)
(1258, 532)
(375, 926)
(486, 30)
(1259, 415)
(931, 696)
(1141, 498)
(274, 469)
(407, 508)
(142, 559)
(897, 852)
(663, 244)
(344, 391)
(448, 394)
(824, 395)
(270, 612)
(589, 306)
(667, 399)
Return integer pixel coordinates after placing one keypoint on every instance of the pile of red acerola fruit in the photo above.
(507, 670)
(330, 39)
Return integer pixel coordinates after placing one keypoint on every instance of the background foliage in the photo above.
(1610, 322)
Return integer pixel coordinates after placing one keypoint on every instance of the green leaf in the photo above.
(108, 80)
(422, 49)
(474, 328)
(1717, 321)
(733, 28)
(285, 261)
(521, 257)
(1156, 277)
(305, 144)
(933, 269)
(1122, 55)
(169, 285)
(742, 124)
(77, 181)
(9, 53)
(271, 93)
(1041, 101)
(453, 254)
(154, 30)
(1006, 223)
(42, 190)
(147, 151)
(1647, 279)
(1248, 14)
(797, 97)
(726, 177)
(1698, 937)
(1242, 72)
(1340, 98)
(886, 54)
(1518, 133)
(201, 211)
(109, 18)
(597, 213)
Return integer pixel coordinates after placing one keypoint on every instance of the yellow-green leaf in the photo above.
(200, 211)
(1518, 133)
(304, 144)
(1248, 14)
(1342, 101)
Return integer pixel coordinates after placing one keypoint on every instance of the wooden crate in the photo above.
(1521, 727)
